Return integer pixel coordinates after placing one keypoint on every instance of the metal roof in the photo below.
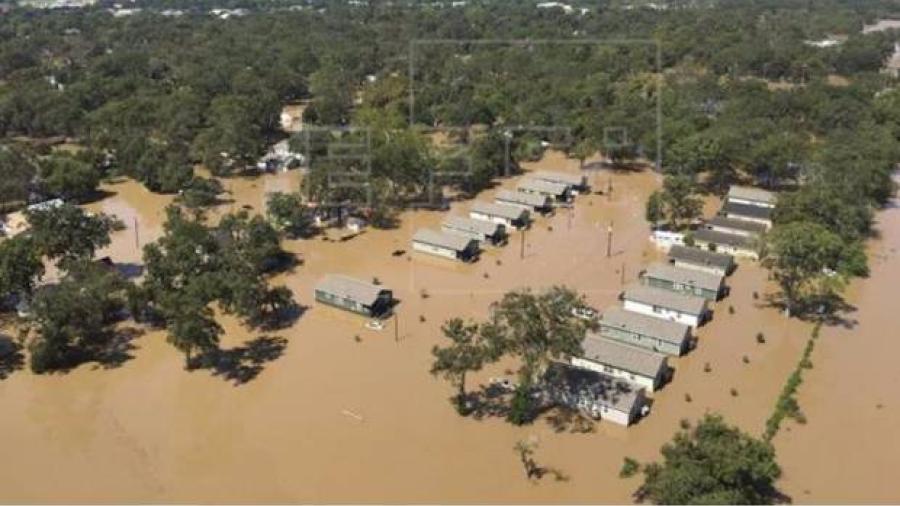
(528, 199)
(680, 302)
(501, 210)
(622, 356)
(748, 210)
(699, 256)
(735, 240)
(700, 279)
(350, 288)
(543, 186)
(628, 321)
(471, 225)
(559, 177)
(603, 389)
(752, 194)
(736, 224)
(442, 239)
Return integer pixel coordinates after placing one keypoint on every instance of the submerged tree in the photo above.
(68, 233)
(467, 352)
(712, 463)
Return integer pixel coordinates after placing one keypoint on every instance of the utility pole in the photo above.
(609, 188)
(609, 237)
(396, 328)
(622, 281)
(571, 211)
(522, 252)
(137, 239)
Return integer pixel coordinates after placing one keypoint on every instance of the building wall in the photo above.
(662, 313)
(615, 416)
(638, 379)
(342, 303)
(731, 250)
(434, 250)
(492, 219)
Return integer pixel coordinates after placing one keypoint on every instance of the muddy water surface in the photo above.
(352, 415)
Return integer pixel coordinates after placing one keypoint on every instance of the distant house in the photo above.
(559, 192)
(530, 201)
(647, 332)
(748, 212)
(667, 305)
(354, 295)
(745, 228)
(614, 358)
(442, 244)
(480, 230)
(721, 242)
(689, 281)
(511, 216)
(700, 259)
(892, 65)
(751, 196)
(577, 183)
(599, 395)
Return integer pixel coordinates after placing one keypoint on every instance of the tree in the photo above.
(201, 192)
(655, 210)
(537, 328)
(20, 266)
(68, 233)
(681, 203)
(467, 352)
(713, 463)
(289, 214)
(194, 329)
(806, 259)
(68, 177)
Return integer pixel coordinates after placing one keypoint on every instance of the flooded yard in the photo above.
(347, 414)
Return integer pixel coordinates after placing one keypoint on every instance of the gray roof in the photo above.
(543, 186)
(528, 199)
(700, 279)
(442, 239)
(501, 210)
(735, 224)
(680, 302)
(699, 256)
(350, 288)
(752, 194)
(622, 356)
(471, 225)
(559, 177)
(603, 389)
(664, 330)
(748, 210)
(712, 236)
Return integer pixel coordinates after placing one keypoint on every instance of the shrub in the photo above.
(520, 409)
(707, 367)
(760, 338)
(688, 398)
(630, 467)
(730, 309)
(421, 318)
(734, 392)
(745, 359)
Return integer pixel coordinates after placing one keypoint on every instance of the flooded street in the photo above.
(352, 415)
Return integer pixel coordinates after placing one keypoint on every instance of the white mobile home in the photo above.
(559, 192)
(483, 231)
(637, 365)
(530, 201)
(454, 247)
(700, 259)
(596, 394)
(721, 242)
(511, 216)
(354, 295)
(647, 332)
(667, 305)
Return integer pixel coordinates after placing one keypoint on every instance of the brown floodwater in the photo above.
(348, 414)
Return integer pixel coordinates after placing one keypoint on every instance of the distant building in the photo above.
(647, 332)
(614, 358)
(667, 305)
(747, 212)
(751, 196)
(699, 259)
(892, 65)
(577, 183)
(689, 281)
(442, 244)
(721, 242)
(559, 192)
(745, 228)
(599, 395)
(354, 295)
(510, 216)
(530, 201)
(483, 231)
